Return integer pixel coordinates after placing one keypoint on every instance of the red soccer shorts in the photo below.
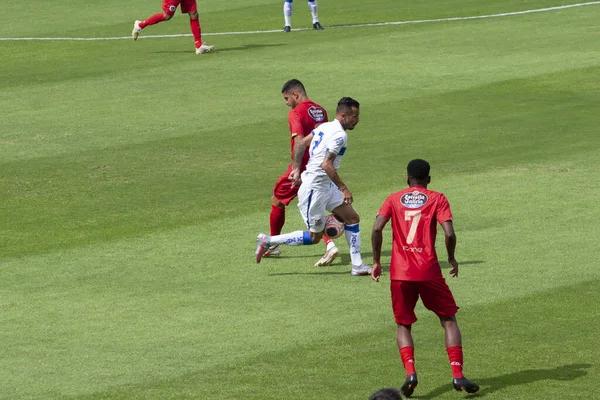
(283, 190)
(435, 294)
(187, 6)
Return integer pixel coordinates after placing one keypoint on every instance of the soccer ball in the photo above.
(334, 228)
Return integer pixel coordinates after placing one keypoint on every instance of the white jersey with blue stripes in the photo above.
(329, 137)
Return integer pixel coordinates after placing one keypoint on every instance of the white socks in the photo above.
(297, 238)
(353, 238)
(287, 13)
(312, 6)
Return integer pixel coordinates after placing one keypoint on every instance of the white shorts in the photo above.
(314, 200)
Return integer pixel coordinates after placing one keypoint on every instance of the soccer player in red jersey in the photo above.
(304, 116)
(169, 7)
(415, 270)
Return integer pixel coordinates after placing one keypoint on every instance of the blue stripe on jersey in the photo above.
(341, 153)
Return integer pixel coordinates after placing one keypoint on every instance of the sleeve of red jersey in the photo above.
(443, 212)
(295, 124)
(386, 208)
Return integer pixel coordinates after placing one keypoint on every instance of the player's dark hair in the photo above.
(346, 104)
(418, 169)
(386, 394)
(293, 84)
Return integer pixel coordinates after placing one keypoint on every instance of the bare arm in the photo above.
(300, 145)
(335, 178)
(376, 241)
(450, 240)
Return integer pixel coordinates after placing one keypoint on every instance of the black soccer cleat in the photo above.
(287, 28)
(463, 383)
(317, 26)
(409, 386)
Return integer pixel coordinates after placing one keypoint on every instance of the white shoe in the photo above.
(273, 251)
(262, 247)
(136, 30)
(330, 255)
(361, 270)
(204, 49)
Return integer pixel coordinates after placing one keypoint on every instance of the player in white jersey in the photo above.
(287, 15)
(322, 188)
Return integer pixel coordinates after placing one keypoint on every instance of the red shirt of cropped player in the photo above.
(415, 213)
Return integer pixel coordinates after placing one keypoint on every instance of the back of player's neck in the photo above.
(423, 185)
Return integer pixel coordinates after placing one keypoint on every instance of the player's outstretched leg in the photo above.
(313, 7)
(297, 238)
(154, 19)
(409, 385)
(465, 384)
(287, 15)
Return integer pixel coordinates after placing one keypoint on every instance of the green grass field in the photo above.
(135, 176)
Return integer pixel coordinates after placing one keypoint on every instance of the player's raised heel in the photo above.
(262, 247)
(204, 49)
(136, 30)
(409, 385)
(463, 383)
(328, 257)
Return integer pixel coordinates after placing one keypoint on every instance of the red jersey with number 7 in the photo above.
(415, 213)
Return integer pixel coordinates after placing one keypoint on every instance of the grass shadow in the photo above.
(220, 49)
(490, 385)
(312, 273)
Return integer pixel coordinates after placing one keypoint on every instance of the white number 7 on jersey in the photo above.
(416, 217)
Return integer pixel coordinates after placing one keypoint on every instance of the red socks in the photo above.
(327, 240)
(195, 27)
(407, 354)
(155, 19)
(455, 355)
(277, 219)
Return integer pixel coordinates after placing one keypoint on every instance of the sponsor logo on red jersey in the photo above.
(413, 199)
(316, 113)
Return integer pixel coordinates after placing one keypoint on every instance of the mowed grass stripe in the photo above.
(85, 125)
(364, 25)
(96, 196)
(368, 358)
